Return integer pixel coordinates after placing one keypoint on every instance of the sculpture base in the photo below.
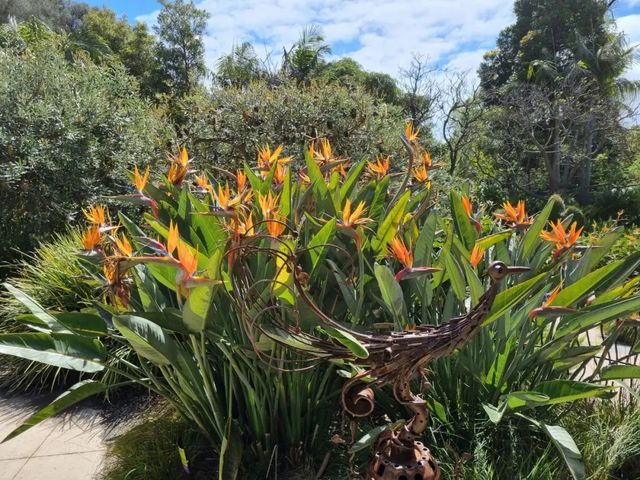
(419, 465)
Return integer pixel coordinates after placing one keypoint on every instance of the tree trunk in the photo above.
(583, 195)
(553, 158)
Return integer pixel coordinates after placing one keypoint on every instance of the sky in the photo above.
(381, 35)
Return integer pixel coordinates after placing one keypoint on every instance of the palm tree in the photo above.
(239, 68)
(304, 58)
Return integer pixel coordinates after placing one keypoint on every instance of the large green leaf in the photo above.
(521, 399)
(456, 275)
(65, 350)
(595, 253)
(317, 244)
(490, 240)
(231, 449)
(596, 314)
(506, 299)
(392, 295)
(368, 439)
(389, 226)
(75, 394)
(149, 340)
(568, 449)
(348, 340)
(587, 284)
(36, 309)
(83, 323)
(532, 237)
(351, 180)
(461, 221)
(561, 391)
(614, 372)
(195, 310)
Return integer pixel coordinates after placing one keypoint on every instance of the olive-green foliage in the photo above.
(180, 27)
(69, 132)
(134, 46)
(228, 127)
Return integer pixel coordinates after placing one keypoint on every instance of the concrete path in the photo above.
(69, 447)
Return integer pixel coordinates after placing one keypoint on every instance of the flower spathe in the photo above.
(380, 167)
(477, 254)
(91, 237)
(140, 180)
(467, 205)
(515, 217)
(562, 238)
(95, 214)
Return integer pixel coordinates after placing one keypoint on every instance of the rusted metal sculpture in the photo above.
(394, 359)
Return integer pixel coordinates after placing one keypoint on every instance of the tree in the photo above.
(133, 46)
(304, 59)
(59, 15)
(180, 29)
(461, 113)
(348, 72)
(421, 89)
(239, 68)
(557, 69)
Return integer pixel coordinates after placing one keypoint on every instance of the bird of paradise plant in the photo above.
(213, 284)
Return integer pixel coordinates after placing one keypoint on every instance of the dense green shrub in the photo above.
(230, 125)
(69, 132)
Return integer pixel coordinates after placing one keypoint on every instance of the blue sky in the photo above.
(380, 34)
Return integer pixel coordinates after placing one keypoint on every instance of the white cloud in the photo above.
(379, 34)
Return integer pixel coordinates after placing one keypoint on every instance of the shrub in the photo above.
(228, 127)
(69, 132)
(227, 295)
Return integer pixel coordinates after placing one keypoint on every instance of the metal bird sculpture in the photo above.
(394, 359)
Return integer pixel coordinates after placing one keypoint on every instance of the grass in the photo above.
(54, 277)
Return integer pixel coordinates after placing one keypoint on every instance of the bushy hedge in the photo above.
(69, 132)
(228, 126)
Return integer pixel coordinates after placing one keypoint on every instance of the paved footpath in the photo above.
(67, 447)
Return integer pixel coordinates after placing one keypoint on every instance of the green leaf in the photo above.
(389, 226)
(348, 340)
(35, 308)
(254, 180)
(348, 292)
(456, 275)
(615, 372)
(148, 339)
(495, 414)
(587, 284)
(424, 245)
(368, 439)
(596, 314)
(490, 240)
(317, 244)
(595, 253)
(65, 350)
(231, 450)
(88, 324)
(561, 391)
(75, 394)
(532, 237)
(195, 310)
(521, 399)
(352, 179)
(392, 295)
(461, 221)
(567, 448)
(506, 299)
